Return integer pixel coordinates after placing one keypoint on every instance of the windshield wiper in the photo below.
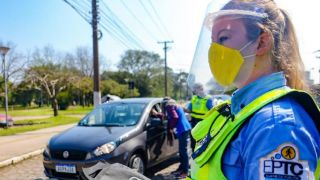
(115, 124)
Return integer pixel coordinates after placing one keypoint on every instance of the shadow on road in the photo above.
(162, 171)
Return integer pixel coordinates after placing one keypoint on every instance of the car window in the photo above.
(156, 111)
(114, 114)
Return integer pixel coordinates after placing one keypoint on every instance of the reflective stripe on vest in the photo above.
(199, 107)
(208, 164)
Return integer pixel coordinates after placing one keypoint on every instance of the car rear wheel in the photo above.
(136, 162)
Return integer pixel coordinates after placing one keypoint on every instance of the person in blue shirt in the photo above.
(254, 48)
(179, 124)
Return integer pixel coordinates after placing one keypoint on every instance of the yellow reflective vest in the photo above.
(215, 132)
(199, 107)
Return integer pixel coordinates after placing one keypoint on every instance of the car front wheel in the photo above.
(136, 162)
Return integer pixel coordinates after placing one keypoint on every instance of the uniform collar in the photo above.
(247, 94)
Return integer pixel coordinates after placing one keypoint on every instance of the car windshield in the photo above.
(114, 114)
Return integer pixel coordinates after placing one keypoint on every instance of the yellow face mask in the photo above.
(225, 63)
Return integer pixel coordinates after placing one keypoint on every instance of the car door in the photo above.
(156, 136)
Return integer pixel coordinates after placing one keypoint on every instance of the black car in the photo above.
(123, 131)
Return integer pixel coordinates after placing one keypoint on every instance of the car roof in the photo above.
(136, 100)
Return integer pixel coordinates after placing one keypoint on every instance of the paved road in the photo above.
(32, 169)
(16, 145)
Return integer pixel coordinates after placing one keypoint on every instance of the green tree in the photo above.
(52, 79)
(144, 69)
(83, 89)
(63, 100)
(23, 94)
(180, 85)
(114, 88)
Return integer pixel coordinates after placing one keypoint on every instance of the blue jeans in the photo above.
(183, 152)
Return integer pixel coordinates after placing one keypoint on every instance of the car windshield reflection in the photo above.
(114, 114)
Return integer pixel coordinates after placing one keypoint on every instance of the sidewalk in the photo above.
(22, 146)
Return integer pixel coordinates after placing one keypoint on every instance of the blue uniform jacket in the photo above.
(182, 123)
(280, 141)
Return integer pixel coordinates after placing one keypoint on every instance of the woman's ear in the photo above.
(265, 43)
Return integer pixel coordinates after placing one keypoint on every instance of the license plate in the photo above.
(66, 168)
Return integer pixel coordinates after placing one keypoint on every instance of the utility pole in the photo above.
(96, 78)
(165, 48)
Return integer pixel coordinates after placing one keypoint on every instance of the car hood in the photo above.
(84, 138)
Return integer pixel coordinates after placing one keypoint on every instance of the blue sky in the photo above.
(36, 23)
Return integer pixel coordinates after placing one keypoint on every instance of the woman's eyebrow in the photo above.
(222, 30)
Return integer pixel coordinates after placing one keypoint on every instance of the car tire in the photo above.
(136, 162)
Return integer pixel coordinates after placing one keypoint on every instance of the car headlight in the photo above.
(105, 149)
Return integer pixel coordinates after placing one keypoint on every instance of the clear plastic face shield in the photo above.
(226, 51)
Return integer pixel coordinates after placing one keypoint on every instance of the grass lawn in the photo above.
(36, 123)
(14, 112)
(31, 125)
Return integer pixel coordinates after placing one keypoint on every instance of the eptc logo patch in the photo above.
(284, 163)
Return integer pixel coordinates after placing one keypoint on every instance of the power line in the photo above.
(117, 28)
(155, 11)
(83, 5)
(151, 17)
(115, 35)
(81, 13)
(123, 28)
(138, 20)
(113, 32)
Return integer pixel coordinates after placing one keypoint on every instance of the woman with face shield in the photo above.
(270, 128)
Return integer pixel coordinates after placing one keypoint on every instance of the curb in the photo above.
(17, 159)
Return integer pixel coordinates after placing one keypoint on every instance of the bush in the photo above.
(63, 100)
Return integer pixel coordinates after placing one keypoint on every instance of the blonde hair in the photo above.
(285, 53)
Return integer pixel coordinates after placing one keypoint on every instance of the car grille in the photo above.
(73, 154)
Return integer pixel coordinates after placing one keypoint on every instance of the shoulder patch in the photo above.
(284, 163)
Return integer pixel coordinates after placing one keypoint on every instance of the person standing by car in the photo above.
(200, 104)
(270, 129)
(178, 122)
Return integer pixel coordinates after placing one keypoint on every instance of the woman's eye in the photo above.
(222, 39)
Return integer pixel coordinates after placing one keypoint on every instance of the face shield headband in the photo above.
(202, 66)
